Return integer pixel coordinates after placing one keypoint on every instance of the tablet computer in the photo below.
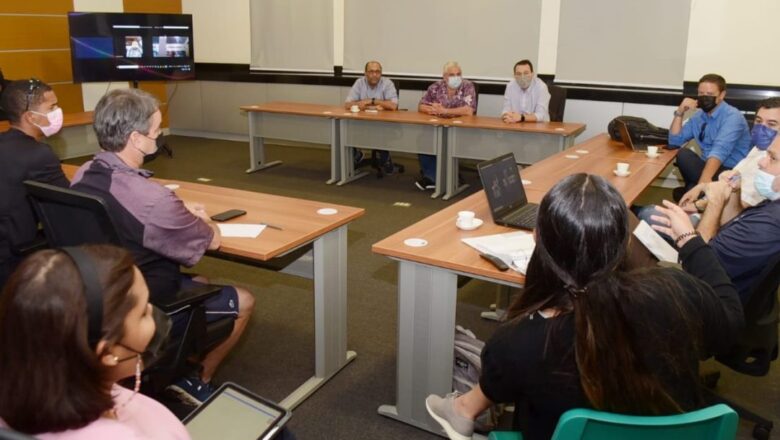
(233, 412)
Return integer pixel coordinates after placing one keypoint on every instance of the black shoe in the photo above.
(357, 157)
(425, 184)
(389, 168)
(678, 193)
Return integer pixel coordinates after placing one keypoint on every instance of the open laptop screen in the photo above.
(502, 184)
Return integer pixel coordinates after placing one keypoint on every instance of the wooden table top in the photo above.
(445, 248)
(414, 117)
(298, 218)
(68, 120)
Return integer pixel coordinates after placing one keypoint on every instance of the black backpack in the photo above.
(640, 130)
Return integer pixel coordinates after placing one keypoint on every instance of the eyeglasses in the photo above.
(32, 85)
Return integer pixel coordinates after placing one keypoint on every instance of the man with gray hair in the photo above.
(159, 229)
(450, 97)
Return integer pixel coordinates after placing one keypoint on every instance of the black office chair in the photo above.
(758, 344)
(557, 102)
(376, 163)
(73, 218)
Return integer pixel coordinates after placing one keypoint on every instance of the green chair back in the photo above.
(718, 422)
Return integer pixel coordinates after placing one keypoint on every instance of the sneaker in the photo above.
(388, 168)
(442, 410)
(425, 183)
(357, 157)
(191, 390)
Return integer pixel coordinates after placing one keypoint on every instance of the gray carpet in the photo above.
(276, 353)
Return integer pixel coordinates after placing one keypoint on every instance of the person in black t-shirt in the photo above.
(587, 332)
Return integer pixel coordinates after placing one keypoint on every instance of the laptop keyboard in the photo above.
(523, 217)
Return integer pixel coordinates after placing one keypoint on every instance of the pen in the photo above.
(268, 225)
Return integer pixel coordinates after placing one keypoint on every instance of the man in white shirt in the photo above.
(526, 99)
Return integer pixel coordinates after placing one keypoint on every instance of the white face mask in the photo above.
(524, 81)
(55, 122)
(454, 82)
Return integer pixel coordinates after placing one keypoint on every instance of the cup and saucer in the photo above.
(467, 221)
(621, 173)
(652, 152)
(475, 223)
(622, 169)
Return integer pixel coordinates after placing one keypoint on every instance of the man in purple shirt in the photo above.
(156, 226)
(451, 97)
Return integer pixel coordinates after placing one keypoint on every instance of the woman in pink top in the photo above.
(72, 323)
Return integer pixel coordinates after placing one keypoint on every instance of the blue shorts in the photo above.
(225, 303)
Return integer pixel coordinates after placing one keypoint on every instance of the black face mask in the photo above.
(156, 347)
(706, 102)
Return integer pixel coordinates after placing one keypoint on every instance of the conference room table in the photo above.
(302, 224)
(427, 276)
(475, 137)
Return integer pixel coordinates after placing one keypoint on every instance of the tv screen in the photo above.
(131, 47)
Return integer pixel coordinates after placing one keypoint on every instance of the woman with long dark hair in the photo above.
(586, 332)
(73, 322)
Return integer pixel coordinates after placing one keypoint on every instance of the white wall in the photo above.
(221, 30)
(737, 39)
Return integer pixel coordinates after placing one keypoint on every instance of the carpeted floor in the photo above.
(276, 353)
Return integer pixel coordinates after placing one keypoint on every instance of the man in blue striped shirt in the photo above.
(719, 128)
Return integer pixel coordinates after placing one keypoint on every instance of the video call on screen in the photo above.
(128, 47)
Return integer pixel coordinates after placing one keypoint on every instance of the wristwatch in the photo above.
(678, 114)
(372, 101)
(522, 118)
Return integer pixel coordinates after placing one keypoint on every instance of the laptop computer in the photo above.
(625, 136)
(234, 413)
(505, 193)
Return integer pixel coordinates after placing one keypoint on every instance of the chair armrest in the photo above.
(37, 244)
(189, 297)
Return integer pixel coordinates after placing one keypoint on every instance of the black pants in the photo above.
(691, 165)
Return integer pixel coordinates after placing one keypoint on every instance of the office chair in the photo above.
(557, 102)
(718, 422)
(73, 218)
(757, 345)
(376, 163)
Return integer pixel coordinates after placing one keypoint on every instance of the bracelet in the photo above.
(683, 236)
(522, 117)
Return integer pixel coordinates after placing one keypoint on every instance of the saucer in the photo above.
(621, 174)
(416, 242)
(652, 156)
(474, 225)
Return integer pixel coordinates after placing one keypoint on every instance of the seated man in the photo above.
(720, 130)
(374, 92)
(3, 85)
(745, 242)
(526, 99)
(33, 112)
(160, 230)
(451, 97)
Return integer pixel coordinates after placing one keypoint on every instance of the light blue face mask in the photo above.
(763, 183)
(454, 82)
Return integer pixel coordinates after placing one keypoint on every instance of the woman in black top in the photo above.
(586, 332)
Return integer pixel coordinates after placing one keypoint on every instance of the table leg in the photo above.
(348, 173)
(330, 314)
(440, 147)
(257, 145)
(452, 189)
(426, 331)
(335, 151)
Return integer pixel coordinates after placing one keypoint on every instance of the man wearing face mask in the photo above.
(32, 109)
(526, 99)
(720, 130)
(747, 239)
(450, 97)
(158, 228)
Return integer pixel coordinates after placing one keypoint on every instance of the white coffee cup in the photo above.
(354, 109)
(466, 218)
(652, 150)
(622, 168)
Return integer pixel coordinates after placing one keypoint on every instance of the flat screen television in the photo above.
(131, 47)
